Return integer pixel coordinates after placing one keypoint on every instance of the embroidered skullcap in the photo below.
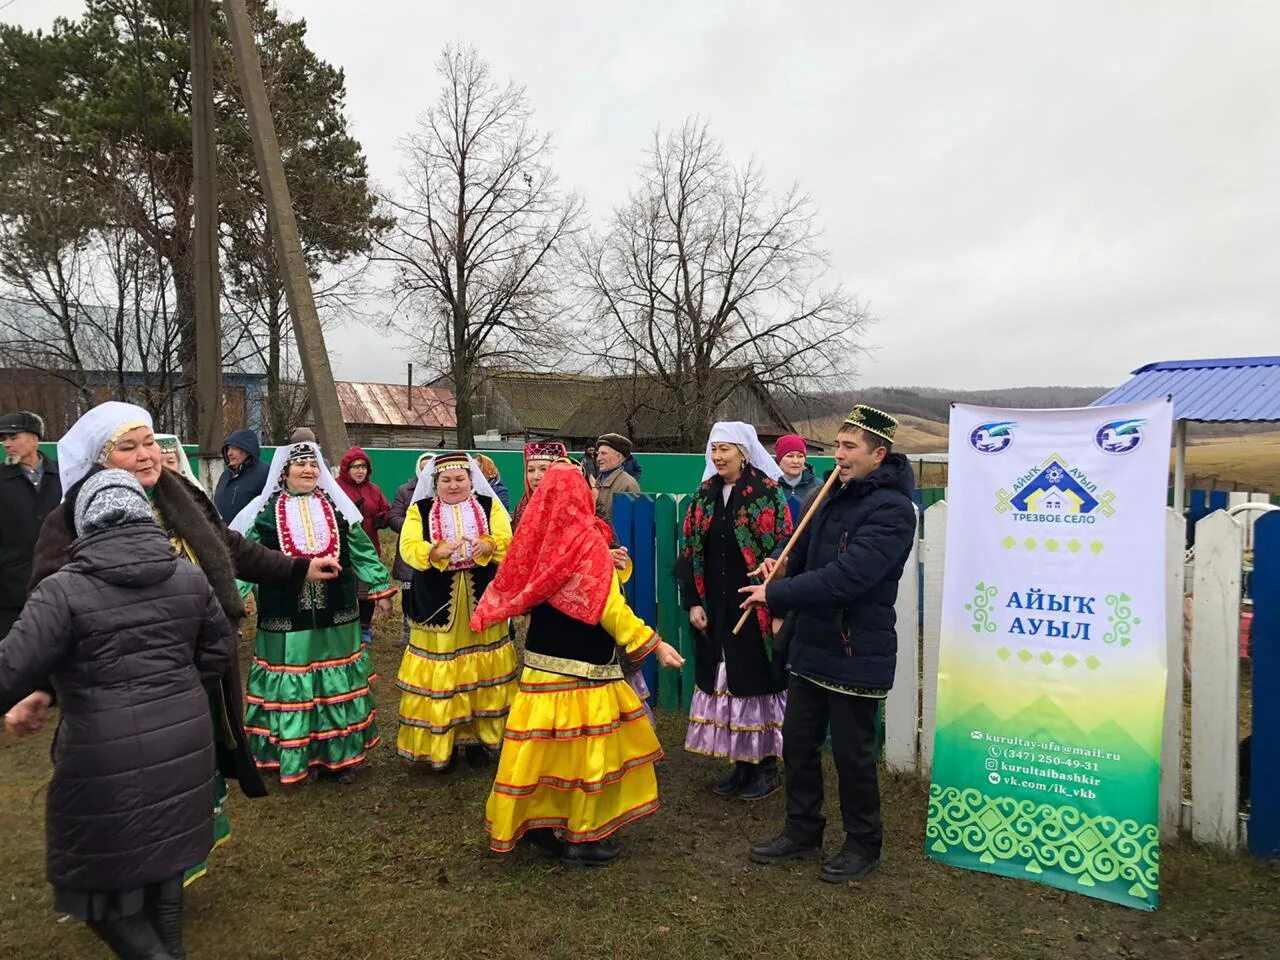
(617, 441)
(545, 450)
(110, 498)
(300, 451)
(451, 461)
(873, 421)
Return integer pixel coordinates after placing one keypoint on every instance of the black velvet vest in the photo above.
(556, 634)
(318, 604)
(431, 600)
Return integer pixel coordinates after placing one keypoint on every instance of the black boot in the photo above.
(764, 783)
(544, 840)
(131, 938)
(166, 917)
(782, 848)
(476, 756)
(597, 853)
(738, 778)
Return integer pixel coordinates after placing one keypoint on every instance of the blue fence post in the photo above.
(644, 525)
(1264, 798)
(623, 526)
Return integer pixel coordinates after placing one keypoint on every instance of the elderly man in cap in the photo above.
(840, 587)
(29, 489)
(612, 451)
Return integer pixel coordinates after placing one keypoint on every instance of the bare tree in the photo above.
(476, 246)
(707, 281)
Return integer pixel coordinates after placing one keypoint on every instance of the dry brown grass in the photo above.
(1252, 461)
(396, 867)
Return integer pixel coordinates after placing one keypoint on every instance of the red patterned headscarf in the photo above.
(559, 555)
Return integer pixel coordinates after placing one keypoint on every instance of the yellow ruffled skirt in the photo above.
(457, 687)
(577, 755)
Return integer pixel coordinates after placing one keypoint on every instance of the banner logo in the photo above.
(1119, 436)
(1055, 493)
(992, 437)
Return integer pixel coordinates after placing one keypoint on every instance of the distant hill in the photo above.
(930, 403)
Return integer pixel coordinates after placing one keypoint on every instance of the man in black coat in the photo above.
(840, 588)
(29, 489)
(244, 477)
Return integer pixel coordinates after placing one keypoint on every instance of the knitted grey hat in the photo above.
(110, 498)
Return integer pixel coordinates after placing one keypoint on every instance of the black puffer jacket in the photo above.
(23, 508)
(842, 580)
(129, 635)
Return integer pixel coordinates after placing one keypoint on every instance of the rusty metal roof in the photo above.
(387, 404)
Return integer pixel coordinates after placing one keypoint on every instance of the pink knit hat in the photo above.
(789, 443)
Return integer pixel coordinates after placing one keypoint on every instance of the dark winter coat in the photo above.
(223, 555)
(22, 510)
(841, 580)
(807, 484)
(500, 488)
(129, 635)
(237, 488)
(401, 572)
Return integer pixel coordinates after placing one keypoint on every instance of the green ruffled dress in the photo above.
(309, 697)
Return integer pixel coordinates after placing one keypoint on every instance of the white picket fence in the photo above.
(1207, 806)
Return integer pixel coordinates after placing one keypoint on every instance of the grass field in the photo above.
(396, 866)
(1251, 461)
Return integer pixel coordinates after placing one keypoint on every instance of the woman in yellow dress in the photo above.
(578, 752)
(456, 683)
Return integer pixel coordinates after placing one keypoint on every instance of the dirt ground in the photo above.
(396, 866)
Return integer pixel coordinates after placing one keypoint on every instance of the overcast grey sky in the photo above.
(1024, 193)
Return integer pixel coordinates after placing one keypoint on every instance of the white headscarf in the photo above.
(89, 441)
(744, 435)
(427, 481)
(275, 482)
(184, 465)
(423, 460)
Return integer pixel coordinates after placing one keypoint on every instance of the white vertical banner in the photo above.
(1051, 673)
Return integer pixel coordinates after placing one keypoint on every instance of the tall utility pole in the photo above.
(330, 428)
(208, 393)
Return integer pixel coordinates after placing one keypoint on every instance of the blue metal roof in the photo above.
(1231, 389)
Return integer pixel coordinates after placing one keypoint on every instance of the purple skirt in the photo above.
(636, 682)
(736, 728)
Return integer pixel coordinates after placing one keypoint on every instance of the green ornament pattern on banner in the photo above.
(980, 608)
(1041, 836)
(1121, 619)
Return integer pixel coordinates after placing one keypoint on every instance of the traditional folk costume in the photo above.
(309, 702)
(553, 451)
(578, 754)
(728, 530)
(457, 682)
